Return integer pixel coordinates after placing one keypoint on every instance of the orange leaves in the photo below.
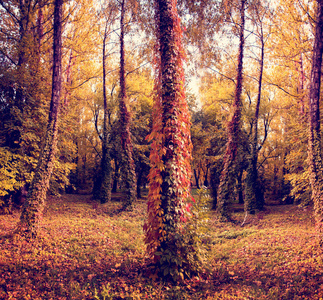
(79, 256)
(169, 178)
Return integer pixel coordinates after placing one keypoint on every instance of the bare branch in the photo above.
(216, 71)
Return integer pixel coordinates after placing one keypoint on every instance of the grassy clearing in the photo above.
(85, 251)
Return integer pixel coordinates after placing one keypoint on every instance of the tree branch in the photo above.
(216, 71)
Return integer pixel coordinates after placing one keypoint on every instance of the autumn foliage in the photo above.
(247, 122)
(84, 251)
(170, 173)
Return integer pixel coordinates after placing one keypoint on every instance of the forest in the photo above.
(166, 149)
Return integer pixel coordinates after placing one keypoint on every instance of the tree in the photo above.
(128, 165)
(234, 129)
(105, 182)
(21, 92)
(104, 185)
(140, 89)
(208, 139)
(170, 174)
(254, 196)
(26, 58)
(34, 204)
(291, 46)
(314, 141)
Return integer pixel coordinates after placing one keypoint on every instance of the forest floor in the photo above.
(85, 251)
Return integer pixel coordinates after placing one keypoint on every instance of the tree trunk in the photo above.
(314, 141)
(105, 180)
(301, 87)
(116, 177)
(234, 131)
(139, 177)
(35, 202)
(170, 173)
(196, 175)
(206, 181)
(239, 187)
(127, 164)
(253, 198)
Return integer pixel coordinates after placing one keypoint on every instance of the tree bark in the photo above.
(314, 141)
(206, 180)
(239, 187)
(34, 205)
(115, 177)
(234, 131)
(254, 199)
(301, 81)
(127, 165)
(139, 177)
(197, 179)
(105, 176)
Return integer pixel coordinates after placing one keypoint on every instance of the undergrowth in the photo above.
(86, 251)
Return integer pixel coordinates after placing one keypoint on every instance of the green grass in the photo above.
(86, 251)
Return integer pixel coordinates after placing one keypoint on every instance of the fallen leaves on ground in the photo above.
(85, 251)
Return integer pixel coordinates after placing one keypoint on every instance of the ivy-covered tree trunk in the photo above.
(239, 187)
(314, 141)
(139, 176)
(170, 174)
(105, 176)
(227, 179)
(127, 162)
(254, 198)
(115, 176)
(35, 202)
(197, 178)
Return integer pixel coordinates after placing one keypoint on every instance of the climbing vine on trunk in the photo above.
(227, 178)
(104, 185)
(128, 165)
(314, 141)
(170, 174)
(35, 202)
